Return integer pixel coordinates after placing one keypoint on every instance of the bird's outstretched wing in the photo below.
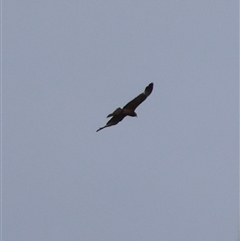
(133, 104)
(113, 121)
(119, 114)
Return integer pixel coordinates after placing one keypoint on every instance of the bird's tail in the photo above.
(116, 112)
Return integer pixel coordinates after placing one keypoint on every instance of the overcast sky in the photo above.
(169, 174)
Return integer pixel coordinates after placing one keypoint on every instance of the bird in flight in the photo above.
(129, 109)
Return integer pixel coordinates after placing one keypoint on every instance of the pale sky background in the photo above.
(172, 173)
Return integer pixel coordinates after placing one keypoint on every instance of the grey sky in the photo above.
(170, 174)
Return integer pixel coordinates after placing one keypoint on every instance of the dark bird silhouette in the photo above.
(129, 109)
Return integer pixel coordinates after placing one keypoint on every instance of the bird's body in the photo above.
(129, 109)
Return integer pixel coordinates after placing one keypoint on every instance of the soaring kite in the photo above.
(128, 109)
